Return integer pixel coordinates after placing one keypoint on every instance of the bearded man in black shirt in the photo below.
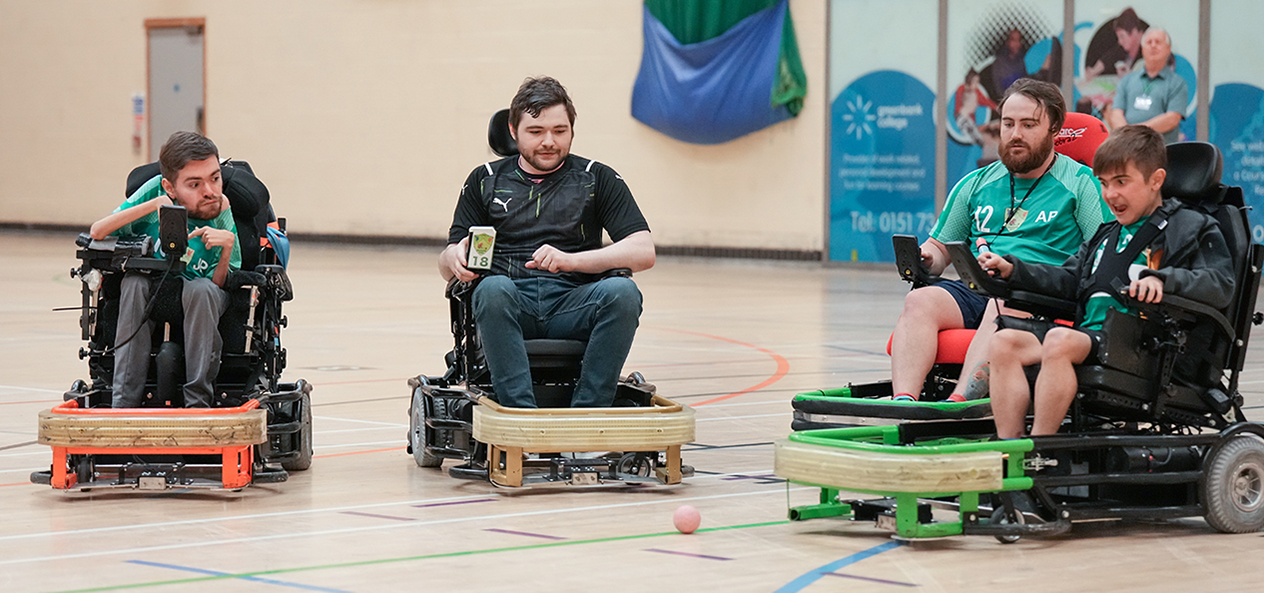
(549, 208)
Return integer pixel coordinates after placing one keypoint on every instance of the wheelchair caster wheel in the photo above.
(1001, 517)
(636, 464)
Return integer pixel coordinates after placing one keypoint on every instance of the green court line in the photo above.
(410, 558)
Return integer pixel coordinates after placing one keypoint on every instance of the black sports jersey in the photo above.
(567, 209)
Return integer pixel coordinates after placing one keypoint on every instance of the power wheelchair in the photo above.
(870, 403)
(257, 429)
(1156, 430)
(456, 415)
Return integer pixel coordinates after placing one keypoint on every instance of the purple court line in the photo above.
(377, 516)
(444, 504)
(539, 535)
(703, 556)
(870, 579)
(764, 478)
(245, 578)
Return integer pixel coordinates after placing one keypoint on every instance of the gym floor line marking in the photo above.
(525, 533)
(870, 579)
(814, 575)
(16, 445)
(783, 365)
(365, 444)
(328, 455)
(244, 578)
(359, 421)
(714, 418)
(31, 389)
(377, 516)
(417, 558)
(420, 503)
(369, 528)
(689, 554)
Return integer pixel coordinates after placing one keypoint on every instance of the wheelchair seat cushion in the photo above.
(556, 348)
(1080, 136)
(952, 347)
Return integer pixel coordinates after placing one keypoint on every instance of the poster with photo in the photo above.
(882, 125)
(990, 45)
(1108, 36)
(1236, 114)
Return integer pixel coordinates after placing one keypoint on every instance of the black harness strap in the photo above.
(1114, 265)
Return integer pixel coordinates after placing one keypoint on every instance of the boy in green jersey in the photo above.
(1153, 246)
(190, 178)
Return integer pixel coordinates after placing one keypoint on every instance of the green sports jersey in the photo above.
(1097, 304)
(1047, 226)
(199, 261)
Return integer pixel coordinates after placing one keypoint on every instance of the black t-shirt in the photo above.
(567, 209)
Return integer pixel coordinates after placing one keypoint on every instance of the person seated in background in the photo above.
(1034, 203)
(190, 178)
(1155, 247)
(549, 207)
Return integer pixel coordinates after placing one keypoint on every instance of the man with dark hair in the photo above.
(1157, 247)
(190, 178)
(1153, 95)
(1034, 203)
(548, 207)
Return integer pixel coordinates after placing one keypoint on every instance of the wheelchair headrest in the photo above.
(245, 192)
(498, 136)
(1193, 173)
(1080, 136)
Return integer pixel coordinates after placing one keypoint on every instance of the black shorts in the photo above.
(971, 303)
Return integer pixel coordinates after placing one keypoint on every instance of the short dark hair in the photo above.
(1047, 94)
(181, 148)
(1138, 144)
(536, 95)
(1128, 20)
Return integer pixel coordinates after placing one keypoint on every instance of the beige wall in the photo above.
(364, 116)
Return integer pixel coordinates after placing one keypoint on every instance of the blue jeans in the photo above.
(605, 313)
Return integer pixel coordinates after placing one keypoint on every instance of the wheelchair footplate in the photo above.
(648, 440)
(864, 405)
(949, 473)
(154, 449)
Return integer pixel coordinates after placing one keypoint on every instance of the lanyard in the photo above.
(1014, 209)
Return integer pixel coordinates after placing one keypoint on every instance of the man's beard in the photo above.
(540, 166)
(1035, 158)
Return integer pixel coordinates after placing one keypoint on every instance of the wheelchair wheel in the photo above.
(304, 444)
(417, 431)
(636, 464)
(1233, 489)
(1001, 516)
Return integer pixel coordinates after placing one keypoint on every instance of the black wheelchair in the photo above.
(257, 424)
(1156, 431)
(449, 413)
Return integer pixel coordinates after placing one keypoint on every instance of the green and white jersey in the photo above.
(199, 261)
(1046, 227)
(1097, 304)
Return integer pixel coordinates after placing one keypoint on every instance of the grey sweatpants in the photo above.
(204, 303)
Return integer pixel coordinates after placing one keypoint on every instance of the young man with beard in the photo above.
(548, 208)
(190, 178)
(1034, 203)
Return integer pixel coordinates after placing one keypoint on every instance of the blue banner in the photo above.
(882, 164)
(1237, 128)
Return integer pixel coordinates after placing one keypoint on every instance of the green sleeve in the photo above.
(147, 191)
(954, 221)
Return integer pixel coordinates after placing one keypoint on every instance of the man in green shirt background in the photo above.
(190, 178)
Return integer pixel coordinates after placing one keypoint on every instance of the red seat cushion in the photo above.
(953, 344)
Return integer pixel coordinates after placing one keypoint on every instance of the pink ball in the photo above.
(686, 519)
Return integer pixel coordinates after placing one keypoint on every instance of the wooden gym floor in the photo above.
(735, 339)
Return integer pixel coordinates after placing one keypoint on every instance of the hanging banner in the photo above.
(1237, 101)
(882, 125)
(1108, 46)
(990, 45)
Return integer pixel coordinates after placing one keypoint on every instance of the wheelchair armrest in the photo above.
(973, 275)
(458, 289)
(908, 261)
(615, 272)
(269, 276)
(1040, 304)
(1175, 304)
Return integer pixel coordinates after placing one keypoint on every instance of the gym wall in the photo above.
(365, 116)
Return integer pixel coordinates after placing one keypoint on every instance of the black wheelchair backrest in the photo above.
(498, 136)
(1193, 173)
(248, 196)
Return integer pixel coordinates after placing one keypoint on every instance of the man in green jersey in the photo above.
(1153, 246)
(1034, 203)
(190, 178)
